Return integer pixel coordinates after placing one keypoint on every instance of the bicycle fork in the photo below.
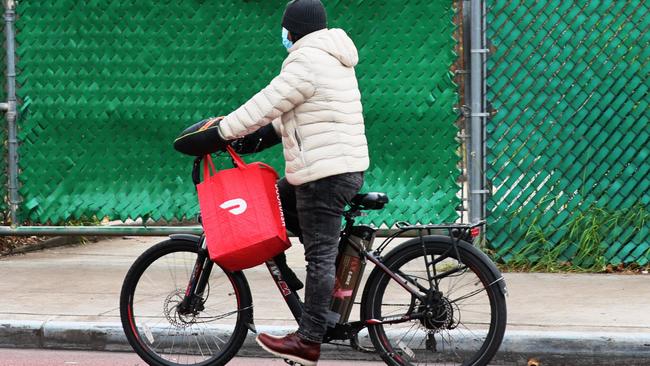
(193, 300)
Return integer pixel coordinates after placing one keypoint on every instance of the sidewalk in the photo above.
(68, 298)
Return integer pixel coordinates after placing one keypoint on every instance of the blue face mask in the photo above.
(285, 39)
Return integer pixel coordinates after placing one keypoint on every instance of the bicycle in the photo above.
(432, 299)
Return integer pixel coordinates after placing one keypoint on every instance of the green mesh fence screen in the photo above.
(569, 143)
(110, 84)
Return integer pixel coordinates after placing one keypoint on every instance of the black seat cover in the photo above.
(370, 200)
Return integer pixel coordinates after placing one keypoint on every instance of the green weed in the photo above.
(583, 240)
(84, 221)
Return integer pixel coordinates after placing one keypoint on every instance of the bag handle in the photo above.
(266, 166)
(208, 164)
(239, 163)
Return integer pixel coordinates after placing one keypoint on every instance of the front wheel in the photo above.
(157, 327)
(461, 318)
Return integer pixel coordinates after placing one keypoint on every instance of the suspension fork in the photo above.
(198, 281)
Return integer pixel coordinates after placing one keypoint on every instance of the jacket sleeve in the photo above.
(286, 91)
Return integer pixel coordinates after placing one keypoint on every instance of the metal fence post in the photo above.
(467, 95)
(11, 111)
(476, 148)
(486, 112)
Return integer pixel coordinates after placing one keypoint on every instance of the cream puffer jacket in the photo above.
(315, 105)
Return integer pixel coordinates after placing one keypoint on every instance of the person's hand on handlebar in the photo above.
(201, 138)
(257, 141)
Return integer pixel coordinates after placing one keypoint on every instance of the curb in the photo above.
(556, 348)
(88, 336)
(576, 348)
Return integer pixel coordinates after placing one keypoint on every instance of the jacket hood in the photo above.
(333, 41)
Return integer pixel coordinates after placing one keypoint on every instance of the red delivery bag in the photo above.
(241, 214)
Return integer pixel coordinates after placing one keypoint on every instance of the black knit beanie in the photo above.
(302, 17)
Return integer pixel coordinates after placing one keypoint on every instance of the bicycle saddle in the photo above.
(370, 200)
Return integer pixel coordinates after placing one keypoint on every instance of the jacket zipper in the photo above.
(302, 153)
(295, 132)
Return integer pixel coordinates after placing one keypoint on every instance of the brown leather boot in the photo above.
(291, 347)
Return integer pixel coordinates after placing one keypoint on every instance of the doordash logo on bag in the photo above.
(235, 207)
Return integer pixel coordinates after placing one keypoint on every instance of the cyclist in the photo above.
(314, 108)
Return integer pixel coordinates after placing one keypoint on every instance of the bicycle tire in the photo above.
(142, 313)
(446, 336)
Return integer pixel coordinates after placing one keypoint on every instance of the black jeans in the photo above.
(313, 211)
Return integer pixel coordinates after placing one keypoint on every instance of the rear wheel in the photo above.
(461, 321)
(152, 317)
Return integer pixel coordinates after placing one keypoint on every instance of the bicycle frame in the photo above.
(349, 329)
(345, 330)
(290, 297)
(342, 330)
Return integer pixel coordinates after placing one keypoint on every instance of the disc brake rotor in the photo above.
(170, 309)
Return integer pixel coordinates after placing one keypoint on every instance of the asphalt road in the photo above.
(29, 357)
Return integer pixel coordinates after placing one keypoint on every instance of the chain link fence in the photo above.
(106, 86)
(569, 141)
